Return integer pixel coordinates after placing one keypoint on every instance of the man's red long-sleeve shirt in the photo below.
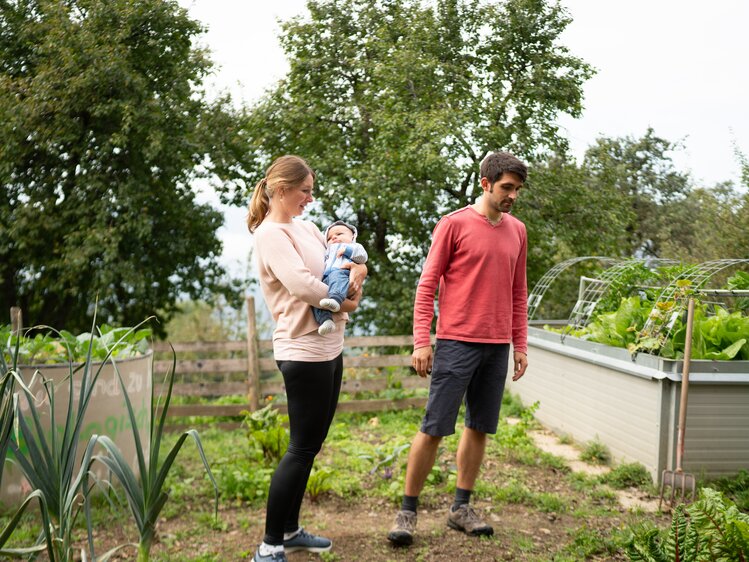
(480, 271)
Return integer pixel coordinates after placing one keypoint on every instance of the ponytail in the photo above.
(259, 205)
(286, 172)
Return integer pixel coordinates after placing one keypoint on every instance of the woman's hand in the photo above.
(356, 277)
(351, 301)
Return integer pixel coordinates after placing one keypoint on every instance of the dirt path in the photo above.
(629, 499)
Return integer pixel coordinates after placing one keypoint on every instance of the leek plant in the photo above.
(48, 457)
(8, 405)
(146, 494)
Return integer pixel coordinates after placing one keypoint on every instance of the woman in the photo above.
(290, 255)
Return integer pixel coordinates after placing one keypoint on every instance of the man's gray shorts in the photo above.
(476, 371)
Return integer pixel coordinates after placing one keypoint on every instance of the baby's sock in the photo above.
(326, 328)
(330, 304)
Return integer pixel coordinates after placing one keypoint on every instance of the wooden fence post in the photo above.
(253, 362)
(16, 320)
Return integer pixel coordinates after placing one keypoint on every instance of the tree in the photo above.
(104, 126)
(395, 103)
(643, 174)
(568, 214)
(709, 224)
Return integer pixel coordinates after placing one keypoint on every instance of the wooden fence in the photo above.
(363, 357)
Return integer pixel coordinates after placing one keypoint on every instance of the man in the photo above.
(477, 259)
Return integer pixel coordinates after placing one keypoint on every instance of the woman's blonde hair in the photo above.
(286, 172)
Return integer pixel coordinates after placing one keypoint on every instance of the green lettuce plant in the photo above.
(722, 336)
(51, 346)
(740, 282)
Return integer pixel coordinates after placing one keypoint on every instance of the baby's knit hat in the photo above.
(351, 227)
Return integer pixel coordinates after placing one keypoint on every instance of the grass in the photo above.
(596, 452)
(736, 488)
(363, 463)
(628, 475)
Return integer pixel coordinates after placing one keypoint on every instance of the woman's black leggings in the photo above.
(312, 390)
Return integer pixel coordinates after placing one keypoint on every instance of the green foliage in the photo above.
(243, 479)
(395, 103)
(711, 529)
(146, 493)
(596, 452)
(385, 459)
(568, 214)
(621, 327)
(708, 224)
(722, 336)
(48, 459)
(587, 543)
(63, 347)
(736, 488)
(105, 124)
(631, 281)
(511, 405)
(642, 173)
(627, 475)
(267, 430)
(740, 282)
(319, 483)
(515, 436)
(207, 321)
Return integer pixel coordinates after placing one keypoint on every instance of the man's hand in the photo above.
(521, 364)
(421, 360)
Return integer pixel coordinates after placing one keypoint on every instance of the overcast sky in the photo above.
(679, 66)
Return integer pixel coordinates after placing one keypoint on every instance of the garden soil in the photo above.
(358, 528)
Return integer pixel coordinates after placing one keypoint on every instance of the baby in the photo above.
(341, 248)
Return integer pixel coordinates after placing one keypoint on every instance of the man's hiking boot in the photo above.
(307, 541)
(467, 520)
(402, 532)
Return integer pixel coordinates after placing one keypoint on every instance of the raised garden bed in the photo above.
(589, 390)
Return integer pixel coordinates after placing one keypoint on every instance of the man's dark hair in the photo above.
(497, 163)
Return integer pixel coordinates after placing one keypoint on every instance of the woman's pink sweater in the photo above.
(290, 259)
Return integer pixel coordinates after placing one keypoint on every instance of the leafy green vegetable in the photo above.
(724, 336)
(63, 347)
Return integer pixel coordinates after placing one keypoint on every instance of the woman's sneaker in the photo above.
(467, 520)
(330, 304)
(306, 541)
(277, 557)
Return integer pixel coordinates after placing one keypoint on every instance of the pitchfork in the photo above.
(678, 479)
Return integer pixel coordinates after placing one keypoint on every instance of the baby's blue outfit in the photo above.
(334, 277)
